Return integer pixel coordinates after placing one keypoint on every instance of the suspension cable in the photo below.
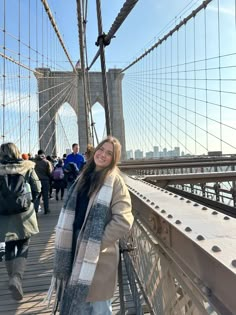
(103, 67)
(92, 123)
(177, 27)
(81, 45)
(50, 16)
(124, 12)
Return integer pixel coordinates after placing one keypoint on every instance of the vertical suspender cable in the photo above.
(103, 67)
(185, 85)
(19, 69)
(4, 73)
(37, 62)
(195, 87)
(93, 129)
(124, 12)
(42, 41)
(178, 88)
(29, 86)
(206, 78)
(171, 89)
(219, 70)
(165, 96)
(81, 44)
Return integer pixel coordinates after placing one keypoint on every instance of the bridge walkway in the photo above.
(39, 270)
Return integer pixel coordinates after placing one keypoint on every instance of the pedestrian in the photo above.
(25, 156)
(58, 179)
(75, 157)
(89, 152)
(43, 169)
(64, 157)
(19, 186)
(71, 172)
(50, 159)
(96, 214)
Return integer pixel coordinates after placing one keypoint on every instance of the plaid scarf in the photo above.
(72, 283)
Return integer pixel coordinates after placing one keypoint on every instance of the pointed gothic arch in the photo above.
(50, 85)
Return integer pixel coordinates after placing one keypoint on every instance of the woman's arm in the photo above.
(121, 214)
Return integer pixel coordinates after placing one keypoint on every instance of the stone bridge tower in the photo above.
(57, 87)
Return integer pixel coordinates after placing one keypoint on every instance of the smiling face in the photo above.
(103, 156)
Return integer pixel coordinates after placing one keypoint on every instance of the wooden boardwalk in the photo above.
(39, 270)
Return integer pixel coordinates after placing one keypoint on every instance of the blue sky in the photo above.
(144, 26)
(140, 30)
(141, 27)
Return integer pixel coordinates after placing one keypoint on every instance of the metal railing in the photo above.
(183, 255)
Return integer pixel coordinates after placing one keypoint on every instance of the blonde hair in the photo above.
(9, 151)
(89, 151)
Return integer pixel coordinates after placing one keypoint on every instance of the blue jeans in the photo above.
(96, 308)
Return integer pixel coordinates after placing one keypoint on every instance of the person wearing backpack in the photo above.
(19, 187)
(58, 179)
(71, 172)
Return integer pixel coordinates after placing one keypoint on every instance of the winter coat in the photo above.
(119, 223)
(22, 225)
(43, 168)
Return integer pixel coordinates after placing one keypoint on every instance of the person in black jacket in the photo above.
(43, 169)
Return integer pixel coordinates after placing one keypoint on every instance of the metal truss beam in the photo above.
(200, 240)
(192, 178)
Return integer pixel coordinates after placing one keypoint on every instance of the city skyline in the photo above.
(156, 153)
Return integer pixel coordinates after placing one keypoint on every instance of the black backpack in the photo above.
(71, 172)
(15, 194)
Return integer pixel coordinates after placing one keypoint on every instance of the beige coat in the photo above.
(119, 224)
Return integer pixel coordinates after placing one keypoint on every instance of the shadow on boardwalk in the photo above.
(39, 271)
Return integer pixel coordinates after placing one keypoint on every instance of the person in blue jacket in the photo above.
(75, 157)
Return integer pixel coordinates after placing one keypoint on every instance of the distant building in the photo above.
(177, 151)
(156, 152)
(138, 154)
(149, 155)
(171, 153)
(129, 154)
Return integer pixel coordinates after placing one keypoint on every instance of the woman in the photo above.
(58, 181)
(96, 215)
(16, 227)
